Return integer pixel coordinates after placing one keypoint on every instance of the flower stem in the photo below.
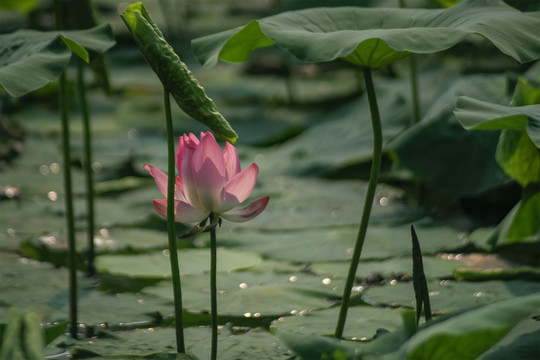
(87, 135)
(68, 191)
(370, 195)
(175, 269)
(213, 288)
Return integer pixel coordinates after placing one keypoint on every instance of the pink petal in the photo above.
(238, 189)
(186, 174)
(208, 171)
(183, 213)
(247, 213)
(161, 181)
(191, 142)
(232, 162)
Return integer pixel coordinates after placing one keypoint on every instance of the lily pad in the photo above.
(157, 266)
(447, 296)
(362, 322)
(256, 343)
(44, 288)
(297, 203)
(434, 267)
(253, 295)
(330, 244)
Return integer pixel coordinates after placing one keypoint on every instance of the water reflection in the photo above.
(55, 168)
(52, 195)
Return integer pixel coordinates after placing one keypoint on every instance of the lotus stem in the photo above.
(414, 80)
(87, 136)
(213, 288)
(370, 195)
(173, 253)
(68, 191)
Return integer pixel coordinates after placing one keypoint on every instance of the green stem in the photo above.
(213, 288)
(68, 191)
(173, 253)
(414, 79)
(87, 135)
(370, 195)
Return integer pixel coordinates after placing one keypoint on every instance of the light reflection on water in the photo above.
(55, 168)
(52, 195)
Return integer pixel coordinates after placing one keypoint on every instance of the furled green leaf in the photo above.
(376, 37)
(173, 73)
(31, 59)
(468, 335)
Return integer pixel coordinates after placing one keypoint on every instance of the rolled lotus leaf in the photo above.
(173, 73)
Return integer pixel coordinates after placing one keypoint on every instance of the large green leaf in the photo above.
(468, 335)
(31, 59)
(173, 73)
(481, 115)
(441, 153)
(376, 37)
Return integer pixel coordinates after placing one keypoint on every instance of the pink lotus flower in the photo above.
(210, 182)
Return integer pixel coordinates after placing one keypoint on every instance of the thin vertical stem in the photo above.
(87, 136)
(173, 253)
(414, 80)
(370, 195)
(213, 289)
(68, 191)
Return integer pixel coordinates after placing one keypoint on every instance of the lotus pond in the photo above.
(460, 162)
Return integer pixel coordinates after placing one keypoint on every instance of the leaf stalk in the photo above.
(370, 195)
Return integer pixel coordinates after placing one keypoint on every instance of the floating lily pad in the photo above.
(305, 202)
(157, 265)
(44, 288)
(248, 294)
(362, 322)
(330, 244)
(434, 267)
(447, 296)
(255, 344)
